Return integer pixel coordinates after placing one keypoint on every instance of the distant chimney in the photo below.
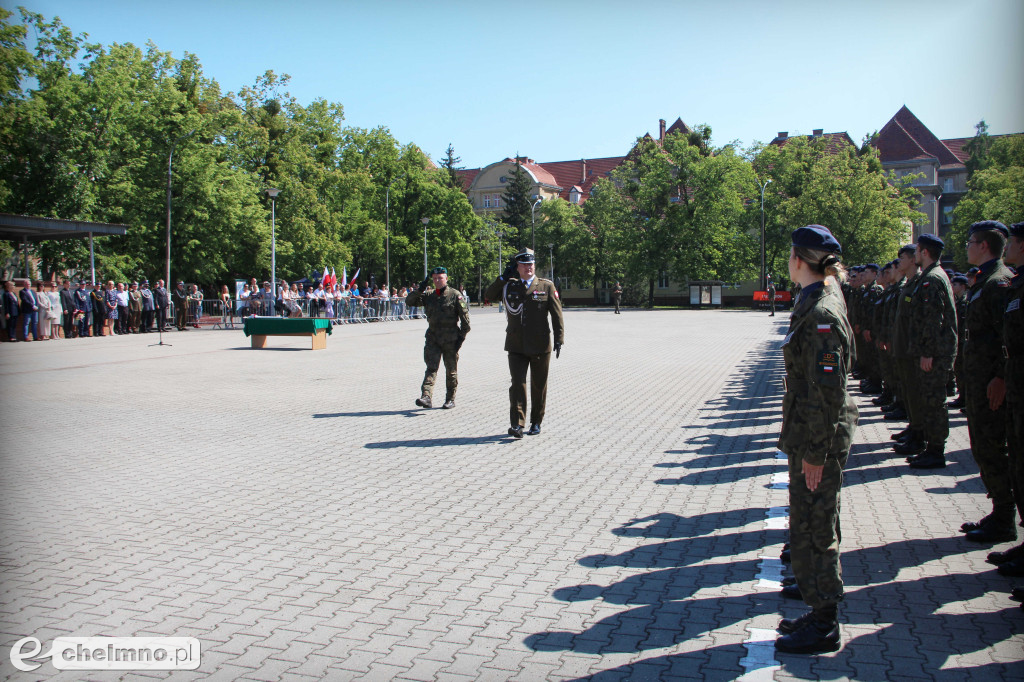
(818, 131)
(783, 134)
(583, 162)
(661, 129)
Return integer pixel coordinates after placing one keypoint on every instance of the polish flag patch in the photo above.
(824, 329)
(827, 369)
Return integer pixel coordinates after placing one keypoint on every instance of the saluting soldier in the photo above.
(932, 347)
(1011, 561)
(529, 301)
(818, 422)
(984, 386)
(447, 325)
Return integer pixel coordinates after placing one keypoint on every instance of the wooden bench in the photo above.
(259, 328)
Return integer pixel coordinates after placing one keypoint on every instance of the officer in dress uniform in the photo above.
(529, 301)
(818, 422)
(446, 310)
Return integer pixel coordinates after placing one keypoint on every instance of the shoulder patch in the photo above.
(828, 367)
(824, 328)
(925, 284)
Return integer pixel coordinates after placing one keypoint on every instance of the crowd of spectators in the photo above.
(47, 310)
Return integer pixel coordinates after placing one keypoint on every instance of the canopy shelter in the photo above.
(25, 229)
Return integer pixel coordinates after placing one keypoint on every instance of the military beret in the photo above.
(816, 237)
(931, 241)
(909, 248)
(983, 225)
(439, 271)
(887, 266)
(871, 266)
(958, 278)
(973, 271)
(1017, 230)
(526, 256)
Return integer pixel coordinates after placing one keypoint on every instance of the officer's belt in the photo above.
(981, 335)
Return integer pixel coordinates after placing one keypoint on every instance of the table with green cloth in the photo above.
(259, 328)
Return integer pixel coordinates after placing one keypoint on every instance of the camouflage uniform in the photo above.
(885, 325)
(869, 360)
(983, 361)
(961, 325)
(901, 334)
(1013, 350)
(933, 321)
(446, 310)
(819, 419)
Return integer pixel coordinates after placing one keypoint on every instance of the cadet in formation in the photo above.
(819, 419)
(529, 302)
(447, 325)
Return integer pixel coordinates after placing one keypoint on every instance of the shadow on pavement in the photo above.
(437, 442)
(371, 413)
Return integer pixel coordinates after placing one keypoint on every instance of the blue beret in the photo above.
(1017, 230)
(816, 237)
(909, 248)
(871, 266)
(982, 225)
(958, 278)
(931, 240)
(973, 271)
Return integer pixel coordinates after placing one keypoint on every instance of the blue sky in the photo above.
(568, 79)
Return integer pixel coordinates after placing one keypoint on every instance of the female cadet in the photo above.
(818, 422)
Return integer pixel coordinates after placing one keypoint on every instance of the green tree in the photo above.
(978, 149)
(517, 205)
(451, 166)
(993, 193)
(562, 224)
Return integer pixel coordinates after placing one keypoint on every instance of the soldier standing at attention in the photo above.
(819, 419)
(529, 300)
(932, 347)
(446, 310)
(1011, 561)
(617, 296)
(984, 386)
(959, 283)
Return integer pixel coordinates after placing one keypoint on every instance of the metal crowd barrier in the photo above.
(348, 310)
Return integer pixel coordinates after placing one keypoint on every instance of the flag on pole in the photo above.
(354, 278)
(344, 274)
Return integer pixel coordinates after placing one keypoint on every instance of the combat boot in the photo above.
(788, 625)
(449, 402)
(424, 401)
(897, 415)
(914, 445)
(883, 399)
(1005, 557)
(792, 592)
(934, 457)
(1012, 569)
(896, 404)
(902, 435)
(816, 635)
(968, 526)
(999, 529)
(957, 403)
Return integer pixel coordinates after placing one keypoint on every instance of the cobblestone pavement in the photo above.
(295, 512)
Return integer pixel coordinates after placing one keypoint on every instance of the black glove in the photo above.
(458, 344)
(424, 283)
(511, 271)
(558, 350)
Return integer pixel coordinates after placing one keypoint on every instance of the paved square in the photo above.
(295, 512)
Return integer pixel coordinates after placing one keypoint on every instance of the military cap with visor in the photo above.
(526, 256)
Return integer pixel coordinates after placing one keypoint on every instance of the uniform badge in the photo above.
(828, 365)
(824, 328)
(1014, 305)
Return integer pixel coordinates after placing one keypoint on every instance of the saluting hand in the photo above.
(812, 474)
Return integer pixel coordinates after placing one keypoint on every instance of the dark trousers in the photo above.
(122, 319)
(987, 430)
(537, 365)
(147, 320)
(161, 318)
(83, 325)
(432, 355)
(1015, 445)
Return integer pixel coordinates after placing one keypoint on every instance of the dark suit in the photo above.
(29, 313)
(160, 301)
(67, 306)
(180, 307)
(528, 340)
(11, 309)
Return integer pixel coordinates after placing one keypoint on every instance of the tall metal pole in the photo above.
(272, 193)
(170, 158)
(533, 225)
(767, 182)
(551, 261)
(425, 221)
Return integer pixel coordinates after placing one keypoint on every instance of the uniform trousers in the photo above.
(815, 533)
(433, 352)
(1015, 443)
(180, 315)
(905, 370)
(537, 365)
(987, 431)
(927, 397)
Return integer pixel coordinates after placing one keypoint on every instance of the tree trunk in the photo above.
(650, 293)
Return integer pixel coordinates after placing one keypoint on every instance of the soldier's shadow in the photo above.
(371, 413)
(437, 442)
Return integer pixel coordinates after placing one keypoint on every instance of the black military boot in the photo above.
(449, 401)
(792, 592)
(1012, 569)
(788, 625)
(897, 415)
(424, 401)
(883, 399)
(1006, 556)
(957, 403)
(913, 445)
(999, 529)
(968, 526)
(817, 634)
(896, 404)
(902, 435)
(934, 457)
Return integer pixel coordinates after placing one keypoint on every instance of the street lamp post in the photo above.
(170, 158)
(551, 261)
(425, 221)
(766, 183)
(387, 228)
(533, 226)
(272, 193)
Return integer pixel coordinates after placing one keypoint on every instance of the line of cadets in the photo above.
(920, 332)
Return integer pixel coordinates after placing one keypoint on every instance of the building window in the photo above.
(574, 197)
(947, 215)
(947, 186)
(663, 280)
(497, 201)
(487, 201)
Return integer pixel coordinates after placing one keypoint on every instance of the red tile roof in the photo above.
(905, 138)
